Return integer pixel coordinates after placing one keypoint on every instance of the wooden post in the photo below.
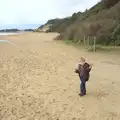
(79, 41)
(84, 41)
(75, 39)
(88, 41)
(94, 45)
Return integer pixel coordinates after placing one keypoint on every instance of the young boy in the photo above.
(83, 71)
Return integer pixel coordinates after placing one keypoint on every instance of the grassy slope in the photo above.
(98, 21)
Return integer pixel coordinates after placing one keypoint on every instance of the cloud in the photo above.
(39, 11)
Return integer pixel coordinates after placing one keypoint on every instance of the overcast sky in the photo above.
(39, 11)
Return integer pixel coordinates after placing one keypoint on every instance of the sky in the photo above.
(21, 12)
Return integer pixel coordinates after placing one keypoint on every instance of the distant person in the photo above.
(83, 71)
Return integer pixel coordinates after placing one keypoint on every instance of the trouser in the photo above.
(83, 85)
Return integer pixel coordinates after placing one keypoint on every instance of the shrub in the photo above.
(116, 33)
(109, 3)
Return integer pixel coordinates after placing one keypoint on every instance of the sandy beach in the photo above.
(37, 81)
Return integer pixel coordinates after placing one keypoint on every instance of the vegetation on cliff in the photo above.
(101, 21)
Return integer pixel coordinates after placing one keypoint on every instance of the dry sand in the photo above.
(37, 81)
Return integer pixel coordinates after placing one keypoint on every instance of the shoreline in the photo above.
(10, 33)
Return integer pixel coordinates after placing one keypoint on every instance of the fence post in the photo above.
(84, 41)
(88, 41)
(94, 45)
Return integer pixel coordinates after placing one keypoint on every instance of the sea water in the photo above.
(8, 34)
(5, 33)
(4, 41)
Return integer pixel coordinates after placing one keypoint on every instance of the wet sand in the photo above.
(37, 81)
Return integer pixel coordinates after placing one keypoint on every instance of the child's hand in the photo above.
(76, 71)
(91, 65)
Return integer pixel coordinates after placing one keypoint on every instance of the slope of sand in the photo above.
(37, 81)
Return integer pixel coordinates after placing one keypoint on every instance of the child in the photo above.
(83, 70)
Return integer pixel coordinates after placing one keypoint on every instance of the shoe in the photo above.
(81, 94)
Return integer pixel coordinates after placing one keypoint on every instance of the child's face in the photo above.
(82, 61)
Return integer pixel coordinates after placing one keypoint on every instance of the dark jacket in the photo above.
(84, 71)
